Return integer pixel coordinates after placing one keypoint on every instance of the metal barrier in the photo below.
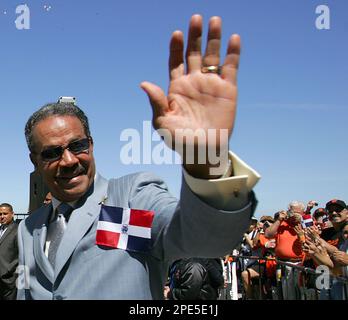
(297, 282)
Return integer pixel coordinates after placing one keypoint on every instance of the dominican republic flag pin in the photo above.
(124, 228)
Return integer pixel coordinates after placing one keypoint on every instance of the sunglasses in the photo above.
(337, 210)
(75, 147)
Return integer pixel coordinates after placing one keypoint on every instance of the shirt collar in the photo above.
(56, 203)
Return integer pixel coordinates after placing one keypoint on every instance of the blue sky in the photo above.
(293, 97)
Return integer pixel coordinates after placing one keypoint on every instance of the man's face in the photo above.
(6, 215)
(337, 214)
(296, 210)
(297, 213)
(69, 177)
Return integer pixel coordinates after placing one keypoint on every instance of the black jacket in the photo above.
(195, 279)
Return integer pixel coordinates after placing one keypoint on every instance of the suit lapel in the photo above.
(80, 221)
(39, 236)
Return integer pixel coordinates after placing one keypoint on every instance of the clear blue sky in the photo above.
(293, 86)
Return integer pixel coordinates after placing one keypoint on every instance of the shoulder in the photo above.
(138, 179)
(193, 266)
(138, 182)
(14, 226)
(35, 219)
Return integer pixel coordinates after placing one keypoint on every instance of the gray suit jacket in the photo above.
(86, 271)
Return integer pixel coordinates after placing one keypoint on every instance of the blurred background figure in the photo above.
(8, 253)
(195, 279)
(246, 246)
(259, 270)
(287, 231)
(321, 219)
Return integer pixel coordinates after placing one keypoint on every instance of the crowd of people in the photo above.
(284, 256)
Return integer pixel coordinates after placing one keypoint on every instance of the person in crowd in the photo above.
(226, 264)
(246, 245)
(196, 279)
(67, 246)
(338, 215)
(321, 219)
(8, 253)
(289, 246)
(262, 247)
(333, 252)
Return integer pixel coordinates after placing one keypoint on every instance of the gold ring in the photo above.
(211, 69)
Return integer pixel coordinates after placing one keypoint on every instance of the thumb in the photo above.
(157, 98)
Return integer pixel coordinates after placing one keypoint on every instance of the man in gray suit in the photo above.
(8, 253)
(116, 238)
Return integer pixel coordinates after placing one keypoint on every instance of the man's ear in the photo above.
(33, 160)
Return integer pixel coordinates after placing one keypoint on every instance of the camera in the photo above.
(266, 224)
(289, 214)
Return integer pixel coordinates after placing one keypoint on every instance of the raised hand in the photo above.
(340, 258)
(198, 97)
(300, 232)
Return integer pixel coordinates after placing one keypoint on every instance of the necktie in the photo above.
(56, 230)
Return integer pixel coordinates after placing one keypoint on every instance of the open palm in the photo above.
(198, 100)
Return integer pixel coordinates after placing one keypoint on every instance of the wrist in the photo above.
(222, 169)
(301, 237)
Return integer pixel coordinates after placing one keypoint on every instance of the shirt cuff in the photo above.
(228, 193)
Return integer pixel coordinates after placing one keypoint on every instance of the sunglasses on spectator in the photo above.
(337, 210)
(75, 147)
(263, 221)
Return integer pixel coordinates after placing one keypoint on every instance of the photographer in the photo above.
(286, 230)
(288, 243)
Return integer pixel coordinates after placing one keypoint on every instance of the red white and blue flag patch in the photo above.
(124, 228)
(307, 221)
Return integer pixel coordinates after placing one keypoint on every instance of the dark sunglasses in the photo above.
(337, 210)
(75, 147)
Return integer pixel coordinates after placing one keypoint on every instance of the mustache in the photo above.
(70, 172)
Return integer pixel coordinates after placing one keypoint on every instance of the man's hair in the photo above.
(52, 110)
(297, 204)
(7, 205)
